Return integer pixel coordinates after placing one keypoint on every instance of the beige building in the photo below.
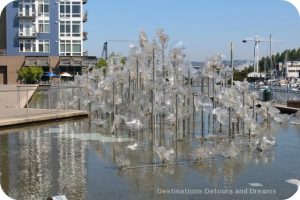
(291, 69)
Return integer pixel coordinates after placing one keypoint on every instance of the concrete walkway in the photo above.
(11, 98)
(14, 116)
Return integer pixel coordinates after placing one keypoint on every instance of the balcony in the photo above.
(26, 16)
(85, 36)
(85, 53)
(84, 1)
(85, 16)
(27, 36)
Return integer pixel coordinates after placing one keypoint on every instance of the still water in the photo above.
(77, 159)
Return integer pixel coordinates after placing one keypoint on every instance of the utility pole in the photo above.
(231, 61)
(271, 60)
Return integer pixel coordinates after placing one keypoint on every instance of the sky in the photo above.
(205, 27)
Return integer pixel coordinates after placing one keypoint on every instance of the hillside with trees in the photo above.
(290, 55)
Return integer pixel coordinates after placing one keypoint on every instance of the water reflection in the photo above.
(42, 163)
(73, 159)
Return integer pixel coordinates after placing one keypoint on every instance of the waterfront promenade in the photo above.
(14, 98)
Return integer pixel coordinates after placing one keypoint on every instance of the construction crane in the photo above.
(105, 46)
(257, 39)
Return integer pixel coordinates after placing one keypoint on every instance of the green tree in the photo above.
(102, 64)
(293, 55)
(241, 75)
(30, 74)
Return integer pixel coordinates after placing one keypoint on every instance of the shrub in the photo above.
(30, 74)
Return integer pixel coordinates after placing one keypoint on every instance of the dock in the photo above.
(285, 109)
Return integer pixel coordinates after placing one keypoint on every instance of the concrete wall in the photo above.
(13, 63)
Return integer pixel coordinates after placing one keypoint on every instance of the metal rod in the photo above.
(176, 118)
(231, 62)
(49, 98)
(26, 101)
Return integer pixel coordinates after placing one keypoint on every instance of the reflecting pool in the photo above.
(79, 160)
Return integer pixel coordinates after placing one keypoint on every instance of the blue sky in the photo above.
(205, 27)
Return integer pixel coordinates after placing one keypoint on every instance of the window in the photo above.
(76, 9)
(70, 9)
(27, 45)
(76, 46)
(70, 47)
(43, 8)
(26, 8)
(76, 28)
(44, 26)
(44, 46)
(26, 28)
(65, 28)
(34, 46)
(65, 9)
(70, 28)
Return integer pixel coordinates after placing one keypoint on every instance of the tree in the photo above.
(102, 64)
(293, 55)
(241, 75)
(30, 74)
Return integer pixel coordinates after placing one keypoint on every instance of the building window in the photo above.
(70, 28)
(76, 9)
(34, 46)
(65, 28)
(70, 47)
(43, 8)
(70, 9)
(26, 8)
(44, 26)
(65, 9)
(76, 28)
(76, 46)
(44, 46)
(26, 28)
(27, 45)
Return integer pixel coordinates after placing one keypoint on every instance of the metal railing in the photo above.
(25, 101)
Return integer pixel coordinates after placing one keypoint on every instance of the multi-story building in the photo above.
(45, 27)
(42, 33)
(290, 69)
